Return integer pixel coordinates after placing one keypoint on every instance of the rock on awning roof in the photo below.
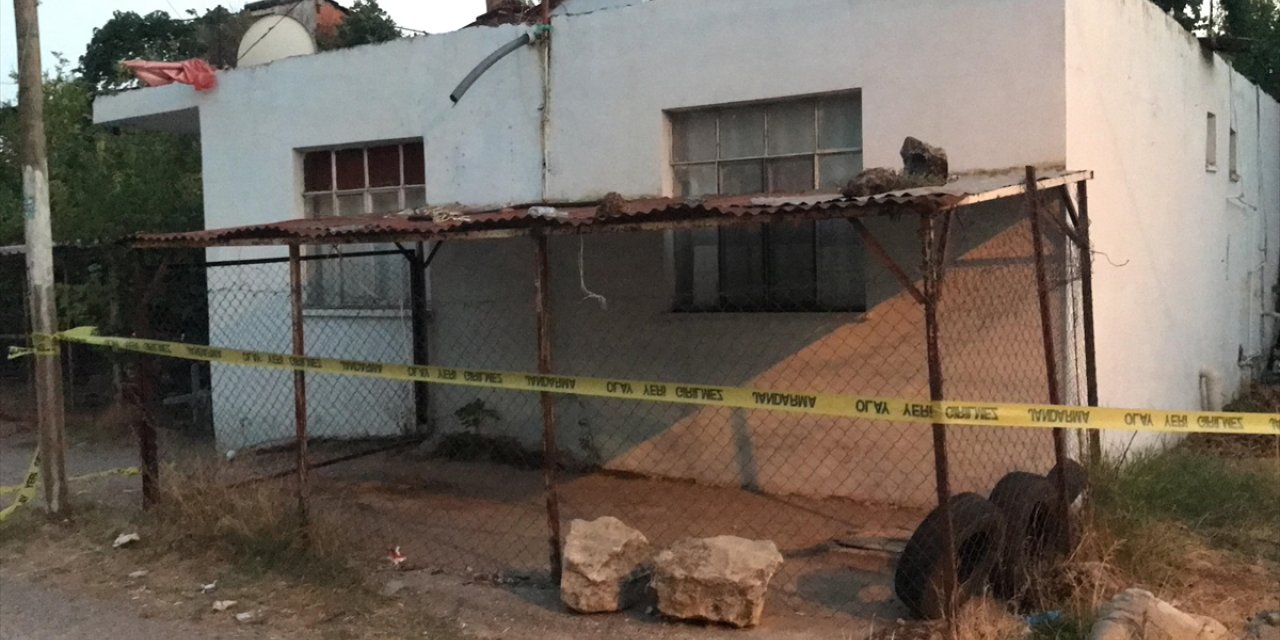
(629, 215)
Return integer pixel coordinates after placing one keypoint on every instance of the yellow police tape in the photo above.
(27, 490)
(122, 471)
(42, 345)
(848, 406)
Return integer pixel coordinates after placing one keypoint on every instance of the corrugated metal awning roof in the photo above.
(631, 215)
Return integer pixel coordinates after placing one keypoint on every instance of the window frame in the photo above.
(1233, 154)
(366, 191)
(1211, 143)
(684, 302)
(816, 155)
(390, 302)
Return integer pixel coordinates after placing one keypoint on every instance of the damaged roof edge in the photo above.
(617, 216)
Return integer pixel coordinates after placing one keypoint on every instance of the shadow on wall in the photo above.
(991, 351)
(990, 339)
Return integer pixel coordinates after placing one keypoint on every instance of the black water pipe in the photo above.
(485, 64)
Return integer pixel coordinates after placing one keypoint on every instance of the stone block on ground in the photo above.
(1135, 614)
(606, 566)
(722, 579)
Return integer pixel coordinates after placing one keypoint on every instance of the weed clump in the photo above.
(257, 527)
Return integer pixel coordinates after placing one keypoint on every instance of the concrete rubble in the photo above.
(925, 160)
(722, 579)
(1264, 626)
(873, 181)
(1135, 614)
(606, 566)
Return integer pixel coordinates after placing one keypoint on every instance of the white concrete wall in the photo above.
(484, 150)
(953, 74)
(1188, 257)
(981, 78)
(1106, 85)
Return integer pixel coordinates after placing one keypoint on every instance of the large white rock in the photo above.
(722, 579)
(1135, 614)
(606, 566)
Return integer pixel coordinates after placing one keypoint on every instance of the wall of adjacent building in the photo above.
(1187, 257)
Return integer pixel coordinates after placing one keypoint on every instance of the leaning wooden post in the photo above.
(1050, 352)
(38, 233)
(542, 305)
(299, 382)
(144, 426)
(932, 271)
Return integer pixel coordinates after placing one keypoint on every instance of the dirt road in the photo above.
(29, 611)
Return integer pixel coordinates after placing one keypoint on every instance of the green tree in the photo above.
(217, 35)
(1188, 13)
(128, 36)
(103, 185)
(367, 23)
(213, 36)
(1256, 23)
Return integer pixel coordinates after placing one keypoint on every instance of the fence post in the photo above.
(299, 382)
(542, 305)
(144, 391)
(418, 319)
(1050, 353)
(931, 270)
(1086, 301)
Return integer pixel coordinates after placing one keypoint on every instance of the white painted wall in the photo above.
(484, 150)
(1188, 256)
(952, 75)
(1107, 85)
(981, 78)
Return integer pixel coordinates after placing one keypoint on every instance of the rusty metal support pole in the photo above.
(542, 305)
(1050, 352)
(1086, 302)
(299, 383)
(418, 320)
(931, 268)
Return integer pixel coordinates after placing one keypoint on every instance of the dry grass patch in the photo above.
(1196, 528)
(257, 527)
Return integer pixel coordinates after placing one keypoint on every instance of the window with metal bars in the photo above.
(795, 145)
(356, 180)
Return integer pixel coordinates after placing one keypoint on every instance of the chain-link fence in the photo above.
(455, 476)
(954, 304)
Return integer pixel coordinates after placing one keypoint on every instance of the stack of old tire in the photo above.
(1001, 542)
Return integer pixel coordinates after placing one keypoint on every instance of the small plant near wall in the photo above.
(473, 415)
(473, 445)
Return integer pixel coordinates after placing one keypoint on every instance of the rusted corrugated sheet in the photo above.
(447, 222)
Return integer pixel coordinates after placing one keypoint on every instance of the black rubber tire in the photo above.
(979, 531)
(1077, 478)
(1029, 504)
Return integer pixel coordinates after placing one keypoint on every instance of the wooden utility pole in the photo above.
(39, 239)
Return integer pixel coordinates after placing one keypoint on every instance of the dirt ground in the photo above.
(475, 538)
(474, 535)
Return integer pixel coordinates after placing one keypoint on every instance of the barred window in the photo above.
(787, 146)
(346, 181)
